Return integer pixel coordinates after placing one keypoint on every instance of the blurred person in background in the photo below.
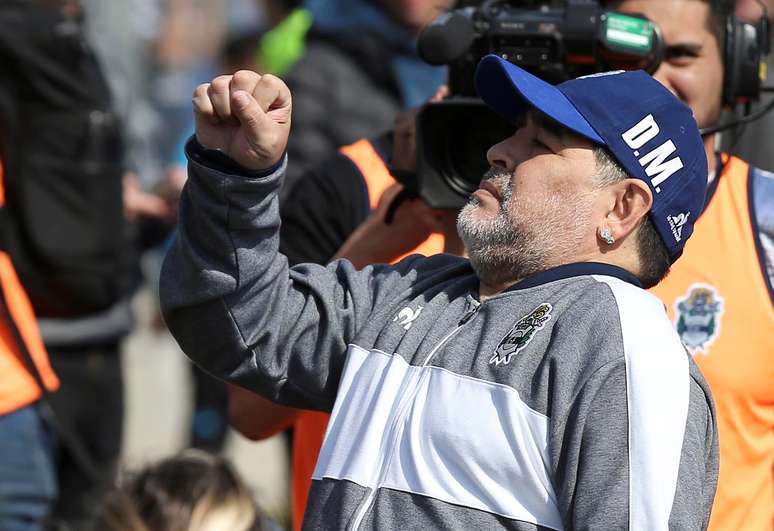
(67, 233)
(359, 69)
(194, 491)
(27, 471)
(123, 35)
(719, 294)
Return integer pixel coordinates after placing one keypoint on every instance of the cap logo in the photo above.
(676, 224)
(658, 168)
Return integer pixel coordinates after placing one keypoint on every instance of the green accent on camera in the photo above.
(631, 33)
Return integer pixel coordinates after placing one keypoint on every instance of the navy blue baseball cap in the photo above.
(650, 132)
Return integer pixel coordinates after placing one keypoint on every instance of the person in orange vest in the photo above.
(351, 224)
(28, 486)
(719, 294)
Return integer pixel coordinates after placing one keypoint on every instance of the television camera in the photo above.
(554, 41)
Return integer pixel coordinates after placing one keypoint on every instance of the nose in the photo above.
(499, 155)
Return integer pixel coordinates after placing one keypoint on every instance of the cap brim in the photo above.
(511, 91)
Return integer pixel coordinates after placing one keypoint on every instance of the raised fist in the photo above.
(246, 116)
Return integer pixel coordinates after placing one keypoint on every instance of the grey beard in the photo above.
(501, 250)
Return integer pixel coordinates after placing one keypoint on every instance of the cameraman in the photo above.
(719, 295)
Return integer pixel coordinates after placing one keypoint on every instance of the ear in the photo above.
(631, 201)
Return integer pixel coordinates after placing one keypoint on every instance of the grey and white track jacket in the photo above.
(565, 402)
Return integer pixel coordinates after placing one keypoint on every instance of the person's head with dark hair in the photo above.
(194, 491)
(608, 168)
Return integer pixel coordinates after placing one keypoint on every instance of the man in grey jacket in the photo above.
(536, 386)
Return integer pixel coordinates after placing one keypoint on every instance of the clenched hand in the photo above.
(246, 116)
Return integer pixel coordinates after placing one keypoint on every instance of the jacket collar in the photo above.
(575, 270)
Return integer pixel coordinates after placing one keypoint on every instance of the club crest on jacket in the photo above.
(698, 317)
(521, 334)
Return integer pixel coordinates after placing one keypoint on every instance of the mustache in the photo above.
(495, 173)
(500, 178)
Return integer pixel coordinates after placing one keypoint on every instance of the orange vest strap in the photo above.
(17, 386)
(373, 168)
(377, 178)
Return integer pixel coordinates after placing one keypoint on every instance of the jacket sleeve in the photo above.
(607, 479)
(238, 310)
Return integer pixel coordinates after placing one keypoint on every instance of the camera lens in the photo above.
(469, 136)
(453, 137)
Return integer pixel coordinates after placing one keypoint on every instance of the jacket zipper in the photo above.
(408, 398)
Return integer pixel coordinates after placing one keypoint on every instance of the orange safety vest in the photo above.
(309, 428)
(17, 386)
(717, 296)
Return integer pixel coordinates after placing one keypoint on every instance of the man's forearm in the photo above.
(226, 221)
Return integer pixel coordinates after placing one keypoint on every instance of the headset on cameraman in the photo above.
(745, 47)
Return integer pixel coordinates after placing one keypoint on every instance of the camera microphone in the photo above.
(446, 39)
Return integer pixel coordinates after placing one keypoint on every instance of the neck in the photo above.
(491, 287)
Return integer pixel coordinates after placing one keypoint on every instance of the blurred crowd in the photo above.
(95, 114)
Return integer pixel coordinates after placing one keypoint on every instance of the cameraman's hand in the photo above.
(404, 134)
(376, 242)
(246, 116)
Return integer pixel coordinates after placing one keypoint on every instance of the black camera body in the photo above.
(553, 42)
